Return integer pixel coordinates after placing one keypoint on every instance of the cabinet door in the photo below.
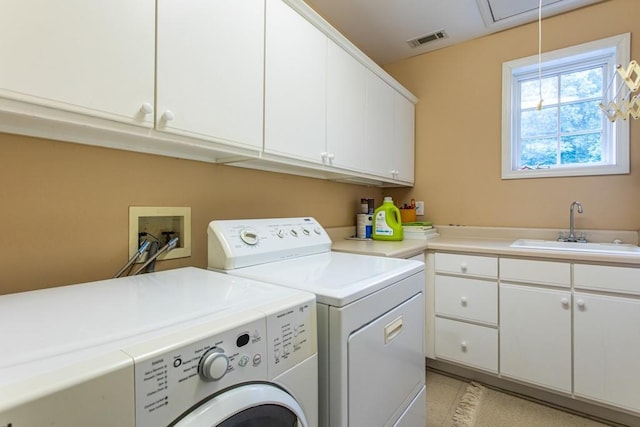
(379, 127)
(404, 138)
(607, 349)
(94, 58)
(295, 85)
(535, 336)
(346, 94)
(210, 69)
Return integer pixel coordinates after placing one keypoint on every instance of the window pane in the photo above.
(585, 148)
(530, 92)
(539, 152)
(543, 122)
(582, 116)
(581, 85)
(569, 136)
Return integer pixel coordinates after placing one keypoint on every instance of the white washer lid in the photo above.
(40, 326)
(336, 278)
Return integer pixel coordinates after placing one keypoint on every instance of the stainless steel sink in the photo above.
(552, 245)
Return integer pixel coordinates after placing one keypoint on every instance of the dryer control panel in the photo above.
(175, 372)
(245, 242)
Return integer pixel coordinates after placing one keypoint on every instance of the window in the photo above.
(569, 135)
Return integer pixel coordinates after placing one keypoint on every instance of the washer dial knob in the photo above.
(213, 365)
(249, 236)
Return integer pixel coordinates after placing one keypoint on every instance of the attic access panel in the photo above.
(501, 14)
(509, 9)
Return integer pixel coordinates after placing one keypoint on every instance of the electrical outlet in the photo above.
(420, 208)
(160, 224)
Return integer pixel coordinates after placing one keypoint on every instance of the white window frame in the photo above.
(618, 48)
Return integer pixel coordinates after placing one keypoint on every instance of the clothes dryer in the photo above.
(370, 315)
(185, 347)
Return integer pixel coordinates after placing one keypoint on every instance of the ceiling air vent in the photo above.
(419, 41)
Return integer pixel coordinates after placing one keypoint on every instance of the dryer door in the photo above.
(386, 364)
(253, 405)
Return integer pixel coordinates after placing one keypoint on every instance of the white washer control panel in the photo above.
(241, 243)
(172, 374)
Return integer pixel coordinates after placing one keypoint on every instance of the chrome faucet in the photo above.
(572, 234)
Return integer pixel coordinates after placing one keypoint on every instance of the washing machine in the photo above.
(370, 315)
(185, 347)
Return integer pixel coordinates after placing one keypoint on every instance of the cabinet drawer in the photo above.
(606, 278)
(472, 265)
(538, 272)
(467, 299)
(468, 344)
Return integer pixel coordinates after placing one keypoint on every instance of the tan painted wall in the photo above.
(458, 131)
(64, 208)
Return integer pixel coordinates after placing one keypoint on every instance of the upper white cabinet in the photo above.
(295, 85)
(210, 69)
(261, 84)
(379, 127)
(404, 138)
(390, 122)
(346, 96)
(91, 58)
(324, 106)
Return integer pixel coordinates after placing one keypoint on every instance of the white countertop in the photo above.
(402, 249)
(502, 247)
(487, 240)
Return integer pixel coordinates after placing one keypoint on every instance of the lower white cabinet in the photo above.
(607, 349)
(466, 310)
(466, 343)
(467, 299)
(566, 327)
(467, 265)
(535, 335)
(606, 338)
(550, 273)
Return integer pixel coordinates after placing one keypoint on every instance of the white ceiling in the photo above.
(381, 28)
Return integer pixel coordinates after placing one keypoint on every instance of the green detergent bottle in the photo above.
(387, 224)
